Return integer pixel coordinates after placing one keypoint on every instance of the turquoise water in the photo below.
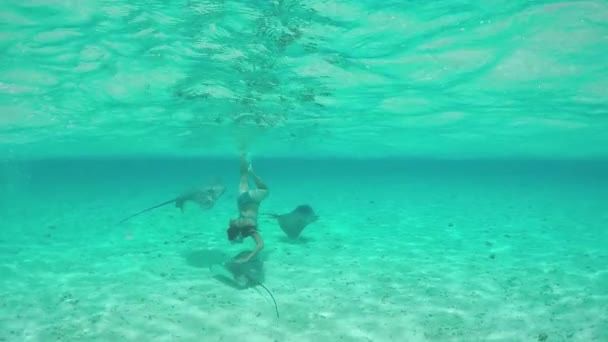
(408, 250)
(455, 153)
(459, 79)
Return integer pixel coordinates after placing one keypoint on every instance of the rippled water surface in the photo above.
(423, 78)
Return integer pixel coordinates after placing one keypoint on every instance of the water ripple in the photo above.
(264, 72)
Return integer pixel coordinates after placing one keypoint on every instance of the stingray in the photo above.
(249, 274)
(205, 198)
(296, 220)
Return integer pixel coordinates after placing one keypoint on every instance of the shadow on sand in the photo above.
(205, 258)
(215, 262)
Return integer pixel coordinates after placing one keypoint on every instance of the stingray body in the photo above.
(249, 273)
(293, 222)
(205, 198)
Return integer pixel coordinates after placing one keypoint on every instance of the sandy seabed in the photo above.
(405, 262)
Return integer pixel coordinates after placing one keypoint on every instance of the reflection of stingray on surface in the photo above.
(205, 258)
(293, 222)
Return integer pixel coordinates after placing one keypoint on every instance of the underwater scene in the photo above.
(303, 170)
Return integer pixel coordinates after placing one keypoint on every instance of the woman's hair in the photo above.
(233, 233)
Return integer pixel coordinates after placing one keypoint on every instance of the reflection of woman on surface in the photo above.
(248, 203)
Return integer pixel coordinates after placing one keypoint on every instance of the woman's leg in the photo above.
(244, 182)
(259, 183)
(262, 190)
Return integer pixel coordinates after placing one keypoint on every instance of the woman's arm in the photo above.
(259, 245)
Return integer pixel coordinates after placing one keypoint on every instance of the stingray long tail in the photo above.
(276, 307)
(148, 209)
(271, 215)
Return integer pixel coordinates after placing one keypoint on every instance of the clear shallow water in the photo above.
(391, 78)
(404, 250)
(101, 101)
